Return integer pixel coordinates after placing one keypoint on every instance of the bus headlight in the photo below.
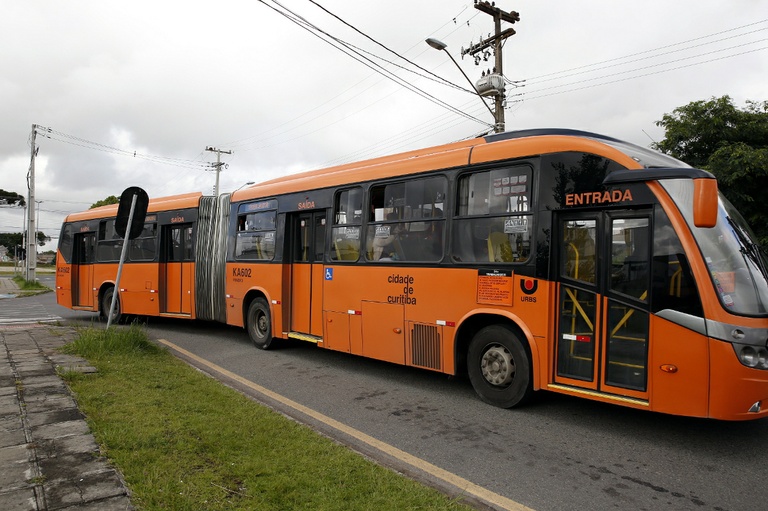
(762, 358)
(752, 356)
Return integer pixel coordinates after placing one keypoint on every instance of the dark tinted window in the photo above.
(65, 242)
(406, 221)
(347, 225)
(671, 279)
(493, 219)
(256, 235)
(564, 174)
(144, 247)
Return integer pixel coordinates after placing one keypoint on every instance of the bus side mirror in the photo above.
(704, 202)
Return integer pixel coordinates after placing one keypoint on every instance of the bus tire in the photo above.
(106, 303)
(499, 367)
(259, 324)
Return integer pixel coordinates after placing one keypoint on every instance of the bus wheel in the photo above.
(259, 324)
(106, 303)
(499, 367)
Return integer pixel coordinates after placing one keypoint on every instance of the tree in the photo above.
(105, 202)
(16, 239)
(11, 198)
(731, 143)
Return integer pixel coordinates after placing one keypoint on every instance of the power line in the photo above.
(644, 52)
(351, 52)
(430, 73)
(253, 139)
(533, 96)
(96, 146)
(532, 92)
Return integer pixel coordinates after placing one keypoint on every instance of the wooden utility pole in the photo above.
(218, 166)
(495, 41)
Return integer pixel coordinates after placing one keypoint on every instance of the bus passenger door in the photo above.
(603, 302)
(308, 249)
(84, 255)
(177, 270)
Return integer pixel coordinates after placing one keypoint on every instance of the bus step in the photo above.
(304, 337)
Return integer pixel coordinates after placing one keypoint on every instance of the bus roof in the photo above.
(513, 144)
(183, 201)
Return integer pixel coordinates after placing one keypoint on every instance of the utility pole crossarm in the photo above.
(488, 8)
(476, 48)
(218, 164)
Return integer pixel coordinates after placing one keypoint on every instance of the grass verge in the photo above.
(29, 285)
(183, 441)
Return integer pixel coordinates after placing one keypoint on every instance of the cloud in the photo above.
(168, 80)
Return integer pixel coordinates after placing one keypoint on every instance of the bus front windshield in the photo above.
(736, 264)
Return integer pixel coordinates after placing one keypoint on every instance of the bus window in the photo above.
(65, 243)
(347, 220)
(494, 221)
(256, 236)
(407, 221)
(579, 245)
(109, 244)
(143, 248)
(630, 257)
(671, 278)
(179, 243)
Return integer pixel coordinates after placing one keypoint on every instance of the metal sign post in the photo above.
(120, 265)
(129, 228)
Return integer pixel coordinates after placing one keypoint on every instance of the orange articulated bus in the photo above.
(533, 260)
(162, 273)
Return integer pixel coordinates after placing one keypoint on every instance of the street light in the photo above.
(441, 46)
(249, 183)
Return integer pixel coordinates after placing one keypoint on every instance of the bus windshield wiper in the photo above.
(749, 248)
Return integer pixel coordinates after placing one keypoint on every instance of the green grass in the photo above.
(29, 285)
(183, 441)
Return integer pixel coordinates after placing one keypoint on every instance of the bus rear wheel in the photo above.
(106, 304)
(499, 367)
(259, 324)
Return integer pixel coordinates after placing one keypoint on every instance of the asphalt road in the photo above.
(556, 453)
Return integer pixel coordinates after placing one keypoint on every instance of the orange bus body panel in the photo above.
(138, 288)
(177, 288)
(262, 278)
(63, 281)
(422, 296)
(685, 391)
(84, 280)
(383, 335)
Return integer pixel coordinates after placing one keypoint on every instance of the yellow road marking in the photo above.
(437, 472)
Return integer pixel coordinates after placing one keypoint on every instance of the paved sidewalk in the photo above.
(48, 456)
(8, 287)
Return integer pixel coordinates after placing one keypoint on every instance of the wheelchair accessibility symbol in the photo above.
(329, 274)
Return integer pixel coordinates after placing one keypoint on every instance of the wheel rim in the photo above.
(498, 366)
(261, 324)
(108, 304)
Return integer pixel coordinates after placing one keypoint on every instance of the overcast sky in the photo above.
(163, 80)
